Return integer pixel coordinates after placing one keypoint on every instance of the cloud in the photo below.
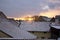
(45, 7)
(54, 1)
(51, 8)
(17, 8)
(50, 13)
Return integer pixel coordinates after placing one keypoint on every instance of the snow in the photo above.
(35, 26)
(58, 39)
(14, 31)
(57, 26)
(13, 22)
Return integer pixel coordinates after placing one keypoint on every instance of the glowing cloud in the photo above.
(50, 13)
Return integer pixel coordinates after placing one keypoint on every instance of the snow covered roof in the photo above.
(2, 16)
(13, 21)
(14, 31)
(35, 26)
(58, 38)
(57, 26)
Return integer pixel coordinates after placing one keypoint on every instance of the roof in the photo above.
(13, 21)
(58, 38)
(57, 26)
(2, 16)
(14, 31)
(35, 26)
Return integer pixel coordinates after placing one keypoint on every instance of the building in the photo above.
(57, 19)
(55, 31)
(40, 29)
(9, 30)
(55, 28)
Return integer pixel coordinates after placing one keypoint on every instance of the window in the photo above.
(42, 37)
(32, 32)
(45, 32)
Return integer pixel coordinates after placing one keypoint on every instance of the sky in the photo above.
(20, 8)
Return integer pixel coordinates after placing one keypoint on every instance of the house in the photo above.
(55, 31)
(40, 29)
(55, 28)
(9, 30)
(57, 19)
(52, 19)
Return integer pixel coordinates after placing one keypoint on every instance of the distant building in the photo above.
(36, 18)
(57, 19)
(52, 19)
(40, 18)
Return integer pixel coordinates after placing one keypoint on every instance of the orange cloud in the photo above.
(50, 13)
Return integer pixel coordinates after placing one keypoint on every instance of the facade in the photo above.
(42, 35)
(4, 35)
(57, 19)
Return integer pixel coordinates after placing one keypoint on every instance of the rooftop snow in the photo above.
(57, 26)
(35, 26)
(14, 31)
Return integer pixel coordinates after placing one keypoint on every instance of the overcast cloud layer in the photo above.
(18, 8)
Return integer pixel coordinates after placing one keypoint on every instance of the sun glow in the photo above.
(19, 18)
(50, 13)
(25, 18)
(30, 19)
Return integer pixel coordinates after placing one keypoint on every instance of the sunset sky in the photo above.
(20, 8)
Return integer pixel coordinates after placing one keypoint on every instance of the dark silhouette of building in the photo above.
(55, 27)
(52, 19)
(38, 18)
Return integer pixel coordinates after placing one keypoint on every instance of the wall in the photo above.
(42, 34)
(4, 35)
